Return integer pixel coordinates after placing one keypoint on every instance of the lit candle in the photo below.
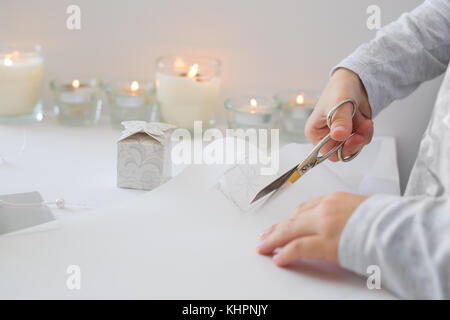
(74, 93)
(130, 101)
(20, 83)
(296, 107)
(187, 89)
(252, 113)
(77, 103)
(130, 96)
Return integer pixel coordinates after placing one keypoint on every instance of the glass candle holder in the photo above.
(187, 89)
(252, 112)
(130, 100)
(296, 107)
(21, 70)
(77, 103)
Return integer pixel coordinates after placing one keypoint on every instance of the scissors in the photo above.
(313, 159)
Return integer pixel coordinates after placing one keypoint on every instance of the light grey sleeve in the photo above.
(405, 53)
(408, 238)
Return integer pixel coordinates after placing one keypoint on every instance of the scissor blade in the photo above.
(274, 185)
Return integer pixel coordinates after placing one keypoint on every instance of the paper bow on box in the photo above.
(156, 130)
(144, 155)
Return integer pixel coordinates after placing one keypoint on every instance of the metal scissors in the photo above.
(313, 159)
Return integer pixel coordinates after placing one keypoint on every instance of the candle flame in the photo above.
(300, 99)
(76, 84)
(193, 72)
(8, 62)
(253, 105)
(134, 86)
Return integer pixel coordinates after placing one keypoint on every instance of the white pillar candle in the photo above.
(187, 91)
(20, 82)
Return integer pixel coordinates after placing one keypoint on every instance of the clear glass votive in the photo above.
(21, 70)
(296, 107)
(252, 112)
(187, 89)
(130, 100)
(77, 102)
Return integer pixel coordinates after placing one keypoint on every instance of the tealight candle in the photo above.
(76, 103)
(296, 107)
(20, 83)
(130, 100)
(252, 112)
(187, 89)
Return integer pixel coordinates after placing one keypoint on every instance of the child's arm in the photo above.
(405, 53)
(407, 237)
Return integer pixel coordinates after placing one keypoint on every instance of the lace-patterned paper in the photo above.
(241, 183)
(144, 155)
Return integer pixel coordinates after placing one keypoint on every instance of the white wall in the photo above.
(265, 46)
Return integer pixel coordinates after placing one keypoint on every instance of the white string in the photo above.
(59, 203)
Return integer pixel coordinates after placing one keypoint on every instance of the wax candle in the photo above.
(76, 102)
(296, 107)
(252, 112)
(130, 100)
(20, 82)
(187, 89)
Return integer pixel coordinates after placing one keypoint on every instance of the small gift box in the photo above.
(143, 151)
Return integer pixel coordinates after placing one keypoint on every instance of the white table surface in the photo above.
(158, 244)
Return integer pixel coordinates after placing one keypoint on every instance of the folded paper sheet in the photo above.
(182, 240)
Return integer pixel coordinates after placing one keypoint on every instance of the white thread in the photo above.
(59, 203)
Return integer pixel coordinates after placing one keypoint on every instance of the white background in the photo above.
(265, 46)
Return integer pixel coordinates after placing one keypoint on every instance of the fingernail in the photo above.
(355, 150)
(259, 247)
(342, 128)
(276, 257)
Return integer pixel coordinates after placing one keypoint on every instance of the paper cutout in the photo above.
(240, 184)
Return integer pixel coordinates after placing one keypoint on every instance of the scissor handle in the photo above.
(327, 138)
(316, 150)
(340, 104)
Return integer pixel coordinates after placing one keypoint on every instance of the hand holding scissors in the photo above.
(314, 158)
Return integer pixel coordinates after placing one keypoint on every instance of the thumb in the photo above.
(342, 123)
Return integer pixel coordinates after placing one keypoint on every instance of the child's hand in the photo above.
(343, 85)
(313, 231)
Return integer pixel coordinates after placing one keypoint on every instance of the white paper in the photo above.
(177, 241)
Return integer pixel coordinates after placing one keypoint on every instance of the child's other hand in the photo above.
(313, 231)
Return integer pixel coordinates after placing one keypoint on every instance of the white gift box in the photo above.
(143, 155)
